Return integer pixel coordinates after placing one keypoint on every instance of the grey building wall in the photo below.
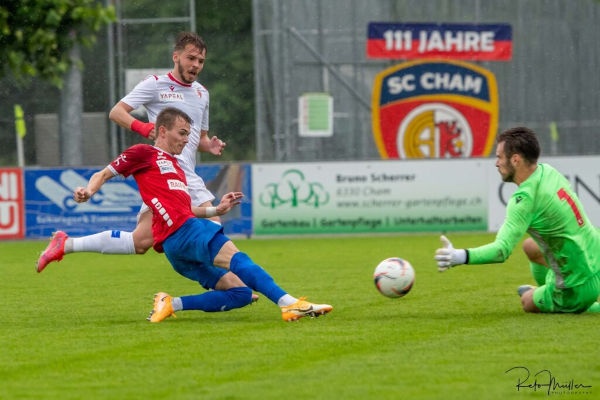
(95, 139)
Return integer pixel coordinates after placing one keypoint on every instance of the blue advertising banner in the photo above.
(49, 204)
(222, 179)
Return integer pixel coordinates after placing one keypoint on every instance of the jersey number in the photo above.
(565, 196)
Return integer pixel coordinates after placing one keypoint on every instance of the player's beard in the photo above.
(509, 176)
(182, 75)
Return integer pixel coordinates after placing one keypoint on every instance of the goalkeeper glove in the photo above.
(448, 256)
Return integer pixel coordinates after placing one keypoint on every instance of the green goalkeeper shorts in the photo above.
(550, 299)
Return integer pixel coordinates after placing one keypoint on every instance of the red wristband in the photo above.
(143, 128)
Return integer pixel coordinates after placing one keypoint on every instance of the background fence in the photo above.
(305, 46)
(319, 46)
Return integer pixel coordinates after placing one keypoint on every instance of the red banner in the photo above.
(11, 204)
(448, 41)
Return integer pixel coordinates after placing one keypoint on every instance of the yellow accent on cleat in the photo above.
(303, 308)
(163, 307)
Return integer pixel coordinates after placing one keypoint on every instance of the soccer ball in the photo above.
(394, 277)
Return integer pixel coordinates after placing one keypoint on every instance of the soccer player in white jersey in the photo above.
(177, 89)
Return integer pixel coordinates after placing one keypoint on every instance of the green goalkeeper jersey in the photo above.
(546, 207)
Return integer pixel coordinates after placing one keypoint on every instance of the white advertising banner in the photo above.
(583, 173)
(379, 196)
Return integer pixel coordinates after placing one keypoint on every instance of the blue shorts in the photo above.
(192, 249)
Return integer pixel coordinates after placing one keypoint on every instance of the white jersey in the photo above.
(156, 93)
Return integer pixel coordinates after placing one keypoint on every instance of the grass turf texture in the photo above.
(78, 330)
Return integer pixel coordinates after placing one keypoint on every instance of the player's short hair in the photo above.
(169, 115)
(520, 140)
(185, 38)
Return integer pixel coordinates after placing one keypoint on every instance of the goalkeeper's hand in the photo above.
(448, 256)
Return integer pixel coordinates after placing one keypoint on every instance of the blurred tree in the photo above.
(226, 26)
(42, 38)
(37, 35)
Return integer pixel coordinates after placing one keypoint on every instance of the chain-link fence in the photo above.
(319, 46)
(305, 46)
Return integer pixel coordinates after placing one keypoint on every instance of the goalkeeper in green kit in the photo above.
(564, 248)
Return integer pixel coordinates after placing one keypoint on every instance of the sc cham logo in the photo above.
(435, 109)
(293, 190)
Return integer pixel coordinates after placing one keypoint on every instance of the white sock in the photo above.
(69, 245)
(177, 304)
(286, 300)
(107, 242)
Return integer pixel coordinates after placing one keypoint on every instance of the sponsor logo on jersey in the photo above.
(166, 166)
(435, 109)
(171, 87)
(168, 96)
(122, 157)
(199, 93)
(175, 184)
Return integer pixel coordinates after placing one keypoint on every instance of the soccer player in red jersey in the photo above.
(195, 247)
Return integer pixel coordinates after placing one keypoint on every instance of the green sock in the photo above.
(594, 307)
(539, 272)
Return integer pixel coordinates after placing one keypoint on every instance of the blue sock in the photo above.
(255, 277)
(218, 300)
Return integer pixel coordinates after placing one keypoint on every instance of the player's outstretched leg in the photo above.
(54, 251)
(259, 280)
(211, 301)
(107, 242)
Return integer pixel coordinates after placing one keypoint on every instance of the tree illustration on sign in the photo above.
(293, 190)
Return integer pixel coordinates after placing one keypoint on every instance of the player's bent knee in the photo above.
(531, 249)
(143, 245)
(228, 281)
(527, 302)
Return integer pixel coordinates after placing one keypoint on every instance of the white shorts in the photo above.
(197, 190)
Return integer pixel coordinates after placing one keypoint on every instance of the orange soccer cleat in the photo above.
(163, 307)
(303, 308)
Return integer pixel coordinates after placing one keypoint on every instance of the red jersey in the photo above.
(162, 185)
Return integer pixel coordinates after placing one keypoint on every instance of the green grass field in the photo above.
(78, 330)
